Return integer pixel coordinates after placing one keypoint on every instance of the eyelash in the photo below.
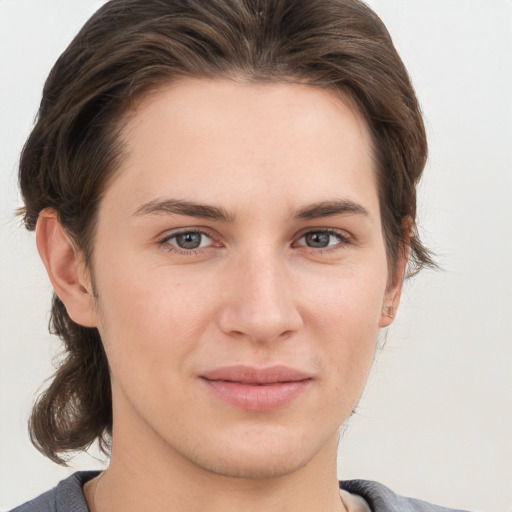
(343, 237)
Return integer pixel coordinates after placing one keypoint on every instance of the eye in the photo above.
(322, 239)
(188, 240)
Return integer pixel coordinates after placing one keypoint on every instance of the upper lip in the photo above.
(250, 375)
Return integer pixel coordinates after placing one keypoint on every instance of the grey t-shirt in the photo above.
(68, 496)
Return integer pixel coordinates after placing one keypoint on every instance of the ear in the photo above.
(66, 269)
(394, 290)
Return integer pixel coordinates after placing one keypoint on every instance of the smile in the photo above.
(257, 390)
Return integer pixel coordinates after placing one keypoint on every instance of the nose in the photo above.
(260, 303)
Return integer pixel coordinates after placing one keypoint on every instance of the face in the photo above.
(241, 275)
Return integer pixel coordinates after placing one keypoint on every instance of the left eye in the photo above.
(189, 240)
(320, 239)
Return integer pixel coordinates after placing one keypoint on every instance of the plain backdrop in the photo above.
(436, 418)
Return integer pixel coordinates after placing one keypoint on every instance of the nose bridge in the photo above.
(260, 303)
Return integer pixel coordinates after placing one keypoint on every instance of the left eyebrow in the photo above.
(331, 208)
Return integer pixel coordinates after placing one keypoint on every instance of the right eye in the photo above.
(187, 241)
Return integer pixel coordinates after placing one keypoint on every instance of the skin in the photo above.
(259, 291)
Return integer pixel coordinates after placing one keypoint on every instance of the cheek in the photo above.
(150, 319)
(348, 299)
(344, 314)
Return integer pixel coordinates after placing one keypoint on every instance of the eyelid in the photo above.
(169, 233)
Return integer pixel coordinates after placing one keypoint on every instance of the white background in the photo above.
(436, 421)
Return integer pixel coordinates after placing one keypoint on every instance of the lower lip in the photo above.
(257, 398)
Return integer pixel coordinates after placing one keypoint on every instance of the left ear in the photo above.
(394, 289)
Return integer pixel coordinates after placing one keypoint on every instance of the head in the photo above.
(127, 58)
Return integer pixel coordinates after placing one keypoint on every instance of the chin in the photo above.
(258, 467)
(259, 457)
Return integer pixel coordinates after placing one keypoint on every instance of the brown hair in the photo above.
(130, 46)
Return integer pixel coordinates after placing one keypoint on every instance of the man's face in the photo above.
(241, 275)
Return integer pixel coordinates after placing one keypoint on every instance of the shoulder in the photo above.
(67, 496)
(382, 499)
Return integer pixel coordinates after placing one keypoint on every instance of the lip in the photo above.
(256, 389)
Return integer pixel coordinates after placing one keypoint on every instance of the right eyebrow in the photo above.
(189, 208)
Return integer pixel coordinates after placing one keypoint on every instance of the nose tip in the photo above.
(260, 304)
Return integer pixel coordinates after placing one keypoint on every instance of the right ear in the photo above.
(66, 269)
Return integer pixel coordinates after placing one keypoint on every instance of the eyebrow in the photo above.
(331, 208)
(192, 209)
(188, 208)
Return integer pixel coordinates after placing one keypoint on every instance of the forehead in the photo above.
(217, 140)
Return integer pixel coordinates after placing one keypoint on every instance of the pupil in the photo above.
(317, 239)
(189, 240)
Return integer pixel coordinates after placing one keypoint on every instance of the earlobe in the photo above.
(394, 291)
(390, 306)
(66, 269)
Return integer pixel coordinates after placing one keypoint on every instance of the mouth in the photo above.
(255, 389)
